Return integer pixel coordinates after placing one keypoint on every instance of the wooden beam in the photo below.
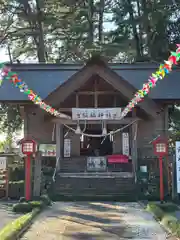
(69, 110)
(99, 93)
(72, 122)
(95, 95)
(149, 106)
(115, 100)
(77, 100)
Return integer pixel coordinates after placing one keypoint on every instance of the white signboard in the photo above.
(3, 163)
(48, 150)
(178, 165)
(96, 164)
(96, 113)
(125, 143)
(67, 147)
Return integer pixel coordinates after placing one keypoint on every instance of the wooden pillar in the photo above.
(59, 144)
(166, 127)
(134, 154)
(37, 175)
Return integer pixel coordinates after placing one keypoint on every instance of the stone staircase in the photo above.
(78, 164)
(75, 164)
(121, 186)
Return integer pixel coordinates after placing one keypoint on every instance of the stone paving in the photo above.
(95, 221)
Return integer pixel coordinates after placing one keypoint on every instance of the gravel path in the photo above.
(95, 221)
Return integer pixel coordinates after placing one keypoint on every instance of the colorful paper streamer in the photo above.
(165, 68)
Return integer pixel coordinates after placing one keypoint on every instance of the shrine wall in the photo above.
(149, 130)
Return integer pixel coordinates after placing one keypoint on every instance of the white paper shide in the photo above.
(178, 165)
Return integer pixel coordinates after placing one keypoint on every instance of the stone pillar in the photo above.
(75, 144)
(134, 130)
(59, 144)
(37, 175)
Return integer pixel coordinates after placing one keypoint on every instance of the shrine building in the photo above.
(93, 96)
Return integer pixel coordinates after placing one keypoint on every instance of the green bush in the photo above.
(37, 204)
(46, 200)
(22, 199)
(12, 230)
(168, 207)
(156, 210)
(23, 207)
(165, 213)
(170, 222)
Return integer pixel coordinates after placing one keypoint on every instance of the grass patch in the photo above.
(165, 213)
(12, 231)
(15, 229)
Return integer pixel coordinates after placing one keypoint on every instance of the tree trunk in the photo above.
(140, 28)
(135, 33)
(90, 21)
(147, 26)
(100, 25)
(41, 45)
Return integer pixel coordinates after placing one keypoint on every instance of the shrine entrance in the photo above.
(91, 146)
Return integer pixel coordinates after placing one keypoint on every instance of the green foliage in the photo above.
(22, 207)
(64, 31)
(44, 198)
(156, 210)
(13, 229)
(165, 214)
(25, 207)
(10, 123)
(168, 207)
(38, 202)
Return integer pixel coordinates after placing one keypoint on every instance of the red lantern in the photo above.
(161, 150)
(28, 148)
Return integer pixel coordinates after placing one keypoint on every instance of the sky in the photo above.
(3, 56)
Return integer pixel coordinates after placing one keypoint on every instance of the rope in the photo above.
(102, 135)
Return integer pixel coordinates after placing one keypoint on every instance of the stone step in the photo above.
(94, 187)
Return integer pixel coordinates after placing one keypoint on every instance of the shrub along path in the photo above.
(95, 220)
(6, 214)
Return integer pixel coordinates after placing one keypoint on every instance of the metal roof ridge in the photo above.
(78, 66)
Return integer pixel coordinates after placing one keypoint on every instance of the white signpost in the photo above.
(67, 147)
(125, 144)
(96, 113)
(178, 165)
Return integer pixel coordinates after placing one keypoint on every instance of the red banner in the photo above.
(118, 159)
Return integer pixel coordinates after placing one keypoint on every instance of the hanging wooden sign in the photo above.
(96, 113)
(67, 147)
(125, 143)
